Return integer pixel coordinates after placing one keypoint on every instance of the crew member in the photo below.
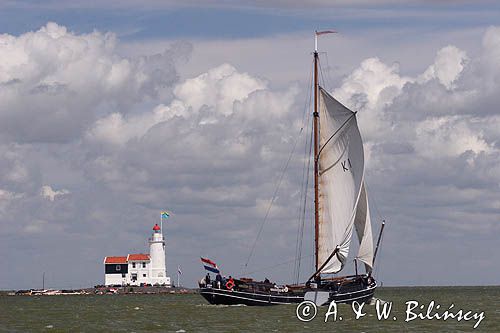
(218, 279)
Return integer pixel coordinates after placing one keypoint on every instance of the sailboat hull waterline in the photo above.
(341, 209)
(341, 290)
(233, 297)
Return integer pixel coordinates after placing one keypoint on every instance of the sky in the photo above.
(111, 113)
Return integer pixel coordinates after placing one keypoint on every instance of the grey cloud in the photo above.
(432, 149)
(211, 150)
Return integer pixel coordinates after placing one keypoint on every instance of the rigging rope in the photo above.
(328, 78)
(380, 216)
(276, 189)
(303, 213)
(272, 201)
(303, 188)
(303, 203)
(372, 199)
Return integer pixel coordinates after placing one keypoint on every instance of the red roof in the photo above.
(115, 260)
(138, 257)
(156, 227)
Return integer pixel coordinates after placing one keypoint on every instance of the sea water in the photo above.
(191, 313)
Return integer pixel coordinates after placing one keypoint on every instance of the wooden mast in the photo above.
(316, 154)
(316, 150)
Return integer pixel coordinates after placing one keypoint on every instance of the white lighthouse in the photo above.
(157, 254)
(139, 269)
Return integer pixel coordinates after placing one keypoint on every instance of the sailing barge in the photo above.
(340, 206)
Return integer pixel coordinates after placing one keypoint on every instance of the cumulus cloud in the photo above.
(219, 88)
(128, 140)
(50, 194)
(373, 85)
(215, 122)
(189, 151)
(450, 136)
(55, 82)
(209, 95)
(449, 63)
(432, 133)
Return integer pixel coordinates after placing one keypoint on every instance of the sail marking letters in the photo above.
(346, 167)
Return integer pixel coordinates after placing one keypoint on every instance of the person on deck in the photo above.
(230, 282)
(207, 279)
(218, 279)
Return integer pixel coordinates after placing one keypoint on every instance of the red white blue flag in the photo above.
(210, 265)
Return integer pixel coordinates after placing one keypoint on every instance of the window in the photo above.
(118, 267)
(133, 265)
(143, 265)
(143, 275)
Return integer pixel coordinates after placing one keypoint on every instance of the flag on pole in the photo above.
(210, 265)
(325, 32)
(165, 215)
(179, 270)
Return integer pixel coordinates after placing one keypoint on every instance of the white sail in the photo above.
(363, 227)
(341, 169)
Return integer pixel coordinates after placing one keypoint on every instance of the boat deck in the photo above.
(345, 290)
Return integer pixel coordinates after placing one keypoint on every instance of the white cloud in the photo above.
(449, 63)
(209, 97)
(430, 137)
(50, 194)
(7, 195)
(374, 80)
(55, 82)
(212, 147)
(450, 136)
(219, 88)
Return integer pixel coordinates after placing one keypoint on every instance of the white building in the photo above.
(139, 269)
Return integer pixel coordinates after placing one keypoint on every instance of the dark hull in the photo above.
(232, 297)
(362, 295)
